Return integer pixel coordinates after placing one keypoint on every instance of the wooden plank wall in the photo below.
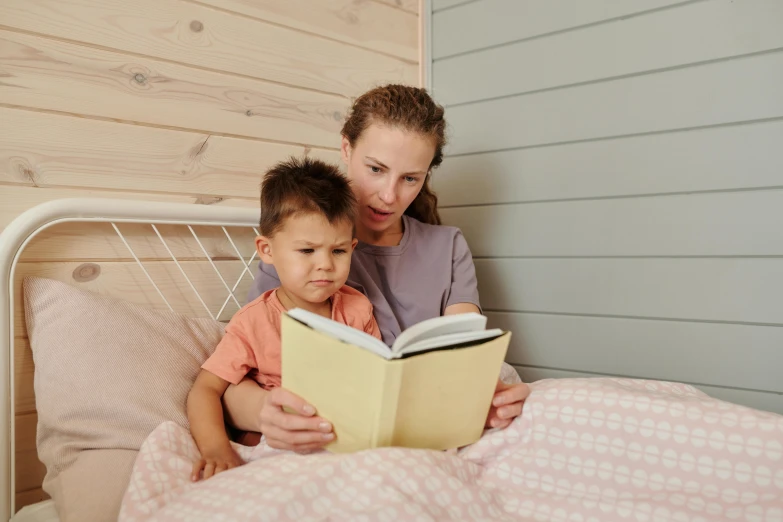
(173, 100)
(616, 169)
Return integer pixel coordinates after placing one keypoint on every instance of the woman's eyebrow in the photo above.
(375, 160)
(380, 164)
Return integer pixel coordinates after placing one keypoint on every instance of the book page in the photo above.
(449, 340)
(443, 325)
(341, 332)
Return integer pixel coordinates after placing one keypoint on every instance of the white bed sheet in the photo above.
(40, 512)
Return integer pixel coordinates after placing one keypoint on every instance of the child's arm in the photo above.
(205, 414)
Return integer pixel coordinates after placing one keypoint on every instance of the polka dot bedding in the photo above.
(584, 450)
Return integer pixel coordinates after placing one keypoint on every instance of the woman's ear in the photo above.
(264, 249)
(345, 150)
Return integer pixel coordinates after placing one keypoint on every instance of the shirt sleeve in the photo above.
(371, 327)
(233, 358)
(266, 279)
(464, 286)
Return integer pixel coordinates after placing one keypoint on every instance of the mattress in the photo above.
(40, 512)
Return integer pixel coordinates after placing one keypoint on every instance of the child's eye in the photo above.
(306, 250)
(339, 251)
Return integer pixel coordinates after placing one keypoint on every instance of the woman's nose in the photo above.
(387, 194)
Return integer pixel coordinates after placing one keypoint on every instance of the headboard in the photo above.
(190, 258)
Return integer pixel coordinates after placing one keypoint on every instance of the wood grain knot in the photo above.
(248, 112)
(196, 26)
(86, 272)
(140, 78)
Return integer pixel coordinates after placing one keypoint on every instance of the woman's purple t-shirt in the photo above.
(430, 269)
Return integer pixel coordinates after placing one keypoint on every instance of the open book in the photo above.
(431, 389)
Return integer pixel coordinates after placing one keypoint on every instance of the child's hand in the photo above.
(506, 404)
(213, 462)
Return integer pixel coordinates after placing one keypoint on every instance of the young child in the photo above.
(307, 214)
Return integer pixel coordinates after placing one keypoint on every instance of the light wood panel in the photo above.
(29, 470)
(57, 150)
(593, 53)
(31, 496)
(126, 281)
(717, 224)
(717, 354)
(495, 22)
(736, 290)
(721, 158)
(684, 98)
(16, 199)
(192, 34)
(760, 400)
(372, 25)
(99, 242)
(53, 75)
(412, 6)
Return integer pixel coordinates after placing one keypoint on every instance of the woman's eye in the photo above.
(411, 179)
(375, 169)
(306, 250)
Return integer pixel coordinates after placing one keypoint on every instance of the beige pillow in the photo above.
(107, 372)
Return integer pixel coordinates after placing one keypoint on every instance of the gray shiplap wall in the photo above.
(617, 168)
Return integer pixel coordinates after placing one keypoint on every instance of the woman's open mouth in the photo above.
(379, 215)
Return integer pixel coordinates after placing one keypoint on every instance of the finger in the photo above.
(308, 448)
(282, 397)
(209, 470)
(511, 411)
(514, 393)
(220, 467)
(197, 467)
(500, 423)
(293, 422)
(294, 438)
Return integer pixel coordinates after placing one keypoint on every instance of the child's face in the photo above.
(312, 257)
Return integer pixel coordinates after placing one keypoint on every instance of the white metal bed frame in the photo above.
(18, 234)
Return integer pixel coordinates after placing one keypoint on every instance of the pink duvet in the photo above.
(583, 450)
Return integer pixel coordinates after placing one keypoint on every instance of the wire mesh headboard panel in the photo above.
(193, 259)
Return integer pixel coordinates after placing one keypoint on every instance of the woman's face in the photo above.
(387, 167)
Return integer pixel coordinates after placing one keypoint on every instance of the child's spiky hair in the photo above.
(306, 185)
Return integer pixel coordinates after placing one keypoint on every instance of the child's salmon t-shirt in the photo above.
(251, 345)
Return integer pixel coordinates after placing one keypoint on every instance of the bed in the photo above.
(195, 262)
(191, 258)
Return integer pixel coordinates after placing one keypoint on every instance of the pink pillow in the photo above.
(107, 372)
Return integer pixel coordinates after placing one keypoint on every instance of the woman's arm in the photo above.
(461, 308)
(251, 408)
(509, 398)
(242, 404)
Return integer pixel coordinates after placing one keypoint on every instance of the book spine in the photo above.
(389, 400)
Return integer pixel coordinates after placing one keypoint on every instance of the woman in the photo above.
(409, 266)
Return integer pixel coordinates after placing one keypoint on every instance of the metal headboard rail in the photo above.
(27, 225)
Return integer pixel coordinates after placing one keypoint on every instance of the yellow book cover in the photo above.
(432, 389)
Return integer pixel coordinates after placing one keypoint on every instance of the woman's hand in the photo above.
(301, 431)
(506, 404)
